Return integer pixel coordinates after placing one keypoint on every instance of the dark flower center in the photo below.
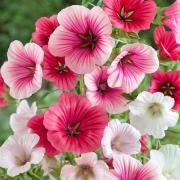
(73, 131)
(125, 60)
(124, 15)
(61, 67)
(89, 40)
(168, 89)
(22, 159)
(103, 87)
(85, 172)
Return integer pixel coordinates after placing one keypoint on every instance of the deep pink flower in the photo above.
(36, 126)
(166, 42)
(167, 83)
(55, 70)
(130, 15)
(84, 38)
(144, 147)
(128, 168)
(99, 93)
(44, 28)
(130, 66)
(74, 125)
(22, 72)
(3, 102)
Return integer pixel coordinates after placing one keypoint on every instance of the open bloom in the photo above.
(168, 83)
(168, 159)
(99, 93)
(84, 38)
(128, 168)
(88, 167)
(22, 72)
(44, 28)
(152, 114)
(24, 112)
(74, 125)
(36, 126)
(120, 138)
(3, 102)
(19, 152)
(166, 42)
(130, 66)
(130, 15)
(55, 70)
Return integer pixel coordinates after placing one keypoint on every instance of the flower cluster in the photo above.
(118, 94)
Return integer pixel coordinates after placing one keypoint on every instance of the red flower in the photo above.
(3, 102)
(36, 125)
(130, 15)
(44, 28)
(168, 83)
(143, 141)
(74, 125)
(55, 70)
(167, 44)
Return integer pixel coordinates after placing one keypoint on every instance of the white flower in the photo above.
(152, 114)
(18, 153)
(168, 158)
(120, 138)
(18, 120)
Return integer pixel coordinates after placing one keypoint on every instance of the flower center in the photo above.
(155, 109)
(168, 89)
(103, 87)
(89, 40)
(22, 159)
(73, 131)
(124, 15)
(117, 144)
(125, 60)
(168, 176)
(85, 172)
(61, 68)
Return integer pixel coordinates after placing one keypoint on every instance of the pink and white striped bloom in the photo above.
(84, 38)
(99, 93)
(88, 167)
(120, 138)
(22, 72)
(130, 66)
(128, 168)
(19, 152)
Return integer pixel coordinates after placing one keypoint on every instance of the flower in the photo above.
(74, 125)
(3, 102)
(151, 113)
(55, 70)
(144, 147)
(99, 93)
(168, 83)
(166, 42)
(36, 126)
(128, 168)
(130, 15)
(129, 68)
(120, 138)
(44, 28)
(22, 72)
(168, 159)
(84, 38)
(88, 167)
(19, 120)
(18, 153)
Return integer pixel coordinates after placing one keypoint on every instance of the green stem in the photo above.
(47, 94)
(34, 175)
(173, 131)
(82, 88)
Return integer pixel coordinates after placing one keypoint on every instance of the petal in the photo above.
(37, 155)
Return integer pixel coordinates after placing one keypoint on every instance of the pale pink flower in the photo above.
(88, 167)
(22, 72)
(130, 66)
(84, 38)
(99, 93)
(120, 138)
(128, 168)
(19, 152)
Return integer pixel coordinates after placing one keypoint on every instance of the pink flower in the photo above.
(44, 28)
(74, 125)
(99, 93)
(3, 102)
(55, 70)
(22, 72)
(88, 167)
(128, 168)
(36, 126)
(167, 44)
(144, 147)
(84, 38)
(130, 15)
(130, 66)
(168, 83)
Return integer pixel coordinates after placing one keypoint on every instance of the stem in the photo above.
(173, 131)
(81, 82)
(32, 174)
(47, 94)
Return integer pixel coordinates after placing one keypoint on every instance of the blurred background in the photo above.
(17, 18)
